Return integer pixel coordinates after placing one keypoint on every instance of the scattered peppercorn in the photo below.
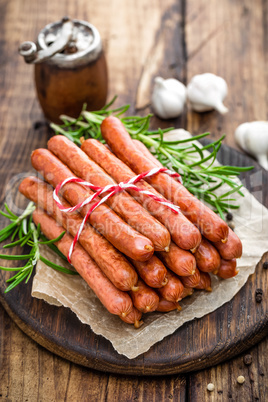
(241, 379)
(229, 216)
(265, 265)
(247, 360)
(210, 387)
(39, 124)
(258, 295)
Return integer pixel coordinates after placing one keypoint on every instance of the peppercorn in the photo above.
(229, 216)
(258, 295)
(241, 379)
(210, 387)
(265, 265)
(247, 360)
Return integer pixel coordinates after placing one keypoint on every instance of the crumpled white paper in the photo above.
(251, 225)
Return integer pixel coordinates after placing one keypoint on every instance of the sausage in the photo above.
(110, 225)
(207, 257)
(205, 282)
(115, 301)
(133, 317)
(227, 269)
(180, 261)
(164, 306)
(191, 281)
(173, 290)
(122, 203)
(187, 292)
(144, 299)
(118, 139)
(182, 231)
(153, 272)
(113, 264)
(232, 248)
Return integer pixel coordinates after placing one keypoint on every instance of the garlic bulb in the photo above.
(253, 138)
(206, 92)
(168, 98)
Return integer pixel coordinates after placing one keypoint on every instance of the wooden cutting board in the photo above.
(201, 343)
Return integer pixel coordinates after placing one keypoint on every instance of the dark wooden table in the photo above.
(142, 39)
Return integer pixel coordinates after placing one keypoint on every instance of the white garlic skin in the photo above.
(206, 92)
(168, 98)
(177, 134)
(252, 137)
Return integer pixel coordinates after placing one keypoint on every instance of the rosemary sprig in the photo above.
(29, 235)
(200, 176)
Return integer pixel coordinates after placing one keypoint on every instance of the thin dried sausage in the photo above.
(164, 306)
(180, 261)
(118, 139)
(134, 317)
(153, 272)
(144, 299)
(110, 225)
(187, 292)
(182, 231)
(191, 281)
(173, 290)
(122, 203)
(227, 269)
(109, 259)
(232, 248)
(115, 301)
(207, 257)
(205, 282)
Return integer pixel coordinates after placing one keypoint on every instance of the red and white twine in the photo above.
(111, 190)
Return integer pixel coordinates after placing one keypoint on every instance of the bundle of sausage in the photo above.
(135, 253)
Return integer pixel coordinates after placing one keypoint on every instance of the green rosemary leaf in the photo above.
(7, 229)
(53, 240)
(29, 274)
(15, 257)
(110, 103)
(15, 243)
(16, 282)
(5, 236)
(11, 268)
(54, 248)
(58, 267)
(18, 274)
(161, 134)
(14, 234)
(234, 190)
(6, 215)
(10, 212)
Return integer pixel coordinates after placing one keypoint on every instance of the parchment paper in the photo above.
(251, 225)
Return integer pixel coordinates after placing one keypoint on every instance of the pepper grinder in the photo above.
(69, 67)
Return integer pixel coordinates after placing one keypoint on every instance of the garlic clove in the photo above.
(168, 98)
(240, 134)
(206, 92)
(252, 137)
(177, 135)
(263, 160)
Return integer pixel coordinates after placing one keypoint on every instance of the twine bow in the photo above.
(111, 190)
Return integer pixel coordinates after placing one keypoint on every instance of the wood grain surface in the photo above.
(175, 38)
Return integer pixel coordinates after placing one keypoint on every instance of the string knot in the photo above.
(110, 190)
